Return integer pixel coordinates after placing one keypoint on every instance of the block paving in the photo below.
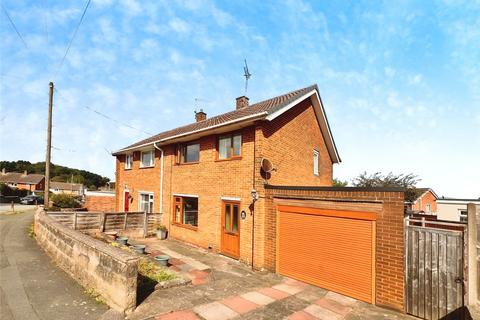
(223, 288)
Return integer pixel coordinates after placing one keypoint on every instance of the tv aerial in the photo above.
(247, 75)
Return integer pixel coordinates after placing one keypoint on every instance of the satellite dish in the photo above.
(267, 165)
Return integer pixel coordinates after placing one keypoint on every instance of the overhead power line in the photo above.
(73, 37)
(107, 116)
(14, 26)
(116, 121)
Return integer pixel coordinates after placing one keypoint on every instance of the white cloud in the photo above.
(390, 72)
(415, 79)
(131, 7)
(179, 25)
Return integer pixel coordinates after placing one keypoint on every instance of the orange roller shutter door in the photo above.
(332, 249)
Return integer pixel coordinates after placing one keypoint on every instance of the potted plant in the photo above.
(161, 232)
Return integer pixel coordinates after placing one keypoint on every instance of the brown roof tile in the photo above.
(17, 177)
(268, 106)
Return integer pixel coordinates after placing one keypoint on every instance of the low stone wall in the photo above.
(110, 271)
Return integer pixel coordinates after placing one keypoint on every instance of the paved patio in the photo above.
(223, 288)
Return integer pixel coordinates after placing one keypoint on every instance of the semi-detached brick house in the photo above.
(203, 176)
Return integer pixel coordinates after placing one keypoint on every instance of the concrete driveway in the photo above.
(31, 287)
(223, 288)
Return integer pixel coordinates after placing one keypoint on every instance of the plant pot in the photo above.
(112, 235)
(122, 240)
(162, 234)
(139, 248)
(162, 260)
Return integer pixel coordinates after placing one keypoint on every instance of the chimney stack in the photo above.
(3, 171)
(200, 115)
(25, 172)
(242, 102)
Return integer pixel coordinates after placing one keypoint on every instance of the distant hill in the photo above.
(57, 173)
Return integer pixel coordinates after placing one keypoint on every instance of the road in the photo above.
(31, 286)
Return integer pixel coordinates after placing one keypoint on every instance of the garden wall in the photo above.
(110, 271)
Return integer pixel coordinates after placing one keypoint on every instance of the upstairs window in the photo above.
(230, 146)
(428, 208)
(190, 153)
(315, 162)
(128, 161)
(147, 159)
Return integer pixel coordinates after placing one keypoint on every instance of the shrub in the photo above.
(64, 200)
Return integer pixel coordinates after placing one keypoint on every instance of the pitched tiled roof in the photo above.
(17, 177)
(263, 108)
(65, 186)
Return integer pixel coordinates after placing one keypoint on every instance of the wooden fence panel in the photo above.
(108, 221)
(434, 266)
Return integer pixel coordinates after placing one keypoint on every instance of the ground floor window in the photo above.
(185, 211)
(145, 202)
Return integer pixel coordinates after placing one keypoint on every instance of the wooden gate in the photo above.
(434, 268)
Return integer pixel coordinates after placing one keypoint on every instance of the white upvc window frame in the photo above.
(128, 161)
(316, 162)
(151, 200)
(152, 162)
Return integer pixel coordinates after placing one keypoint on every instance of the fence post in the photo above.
(125, 222)
(102, 222)
(472, 276)
(75, 220)
(145, 224)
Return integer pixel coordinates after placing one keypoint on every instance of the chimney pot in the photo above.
(200, 115)
(242, 102)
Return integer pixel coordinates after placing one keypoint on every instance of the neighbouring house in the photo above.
(425, 202)
(100, 200)
(24, 181)
(66, 187)
(255, 184)
(454, 209)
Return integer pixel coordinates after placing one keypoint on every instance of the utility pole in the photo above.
(49, 148)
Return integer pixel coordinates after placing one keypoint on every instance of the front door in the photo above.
(126, 200)
(231, 229)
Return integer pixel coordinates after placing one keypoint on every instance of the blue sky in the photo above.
(400, 80)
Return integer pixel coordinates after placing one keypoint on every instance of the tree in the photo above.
(339, 183)
(377, 179)
(57, 173)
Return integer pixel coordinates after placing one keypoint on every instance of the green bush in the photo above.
(63, 200)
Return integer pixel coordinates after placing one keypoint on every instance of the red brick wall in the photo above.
(100, 203)
(389, 232)
(289, 143)
(421, 203)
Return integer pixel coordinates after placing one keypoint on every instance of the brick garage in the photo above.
(386, 204)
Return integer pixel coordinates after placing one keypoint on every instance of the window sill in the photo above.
(146, 167)
(128, 169)
(187, 163)
(186, 226)
(229, 159)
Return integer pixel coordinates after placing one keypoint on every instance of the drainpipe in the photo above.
(161, 175)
